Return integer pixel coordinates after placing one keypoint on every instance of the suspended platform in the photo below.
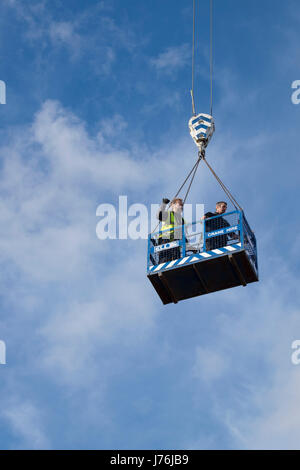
(204, 257)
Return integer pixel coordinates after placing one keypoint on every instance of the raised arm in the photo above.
(162, 213)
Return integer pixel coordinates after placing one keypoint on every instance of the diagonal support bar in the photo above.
(163, 279)
(237, 270)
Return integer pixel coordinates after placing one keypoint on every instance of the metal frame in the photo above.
(245, 234)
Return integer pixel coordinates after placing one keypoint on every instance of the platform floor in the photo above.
(204, 277)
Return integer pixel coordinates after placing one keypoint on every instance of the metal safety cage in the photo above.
(209, 237)
(202, 257)
(162, 248)
(223, 230)
(250, 244)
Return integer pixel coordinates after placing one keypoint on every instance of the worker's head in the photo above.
(221, 207)
(177, 205)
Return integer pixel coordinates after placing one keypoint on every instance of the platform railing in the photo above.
(250, 243)
(201, 236)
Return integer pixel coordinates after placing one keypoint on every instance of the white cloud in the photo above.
(75, 297)
(54, 175)
(173, 58)
(209, 364)
(97, 44)
(121, 314)
(33, 14)
(252, 356)
(25, 420)
(49, 239)
(71, 151)
(276, 424)
(64, 33)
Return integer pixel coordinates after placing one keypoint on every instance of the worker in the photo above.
(170, 219)
(216, 224)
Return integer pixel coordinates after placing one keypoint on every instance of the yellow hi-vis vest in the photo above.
(170, 224)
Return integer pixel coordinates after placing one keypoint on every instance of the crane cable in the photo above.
(193, 59)
(211, 57)
(193, 171)
(225, 189)
(211, 70)
(201, 155)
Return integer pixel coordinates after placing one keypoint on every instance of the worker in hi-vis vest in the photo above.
(170, 219)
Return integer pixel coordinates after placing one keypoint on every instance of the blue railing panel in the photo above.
(202, 236)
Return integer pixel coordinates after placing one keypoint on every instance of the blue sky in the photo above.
(97, 106)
